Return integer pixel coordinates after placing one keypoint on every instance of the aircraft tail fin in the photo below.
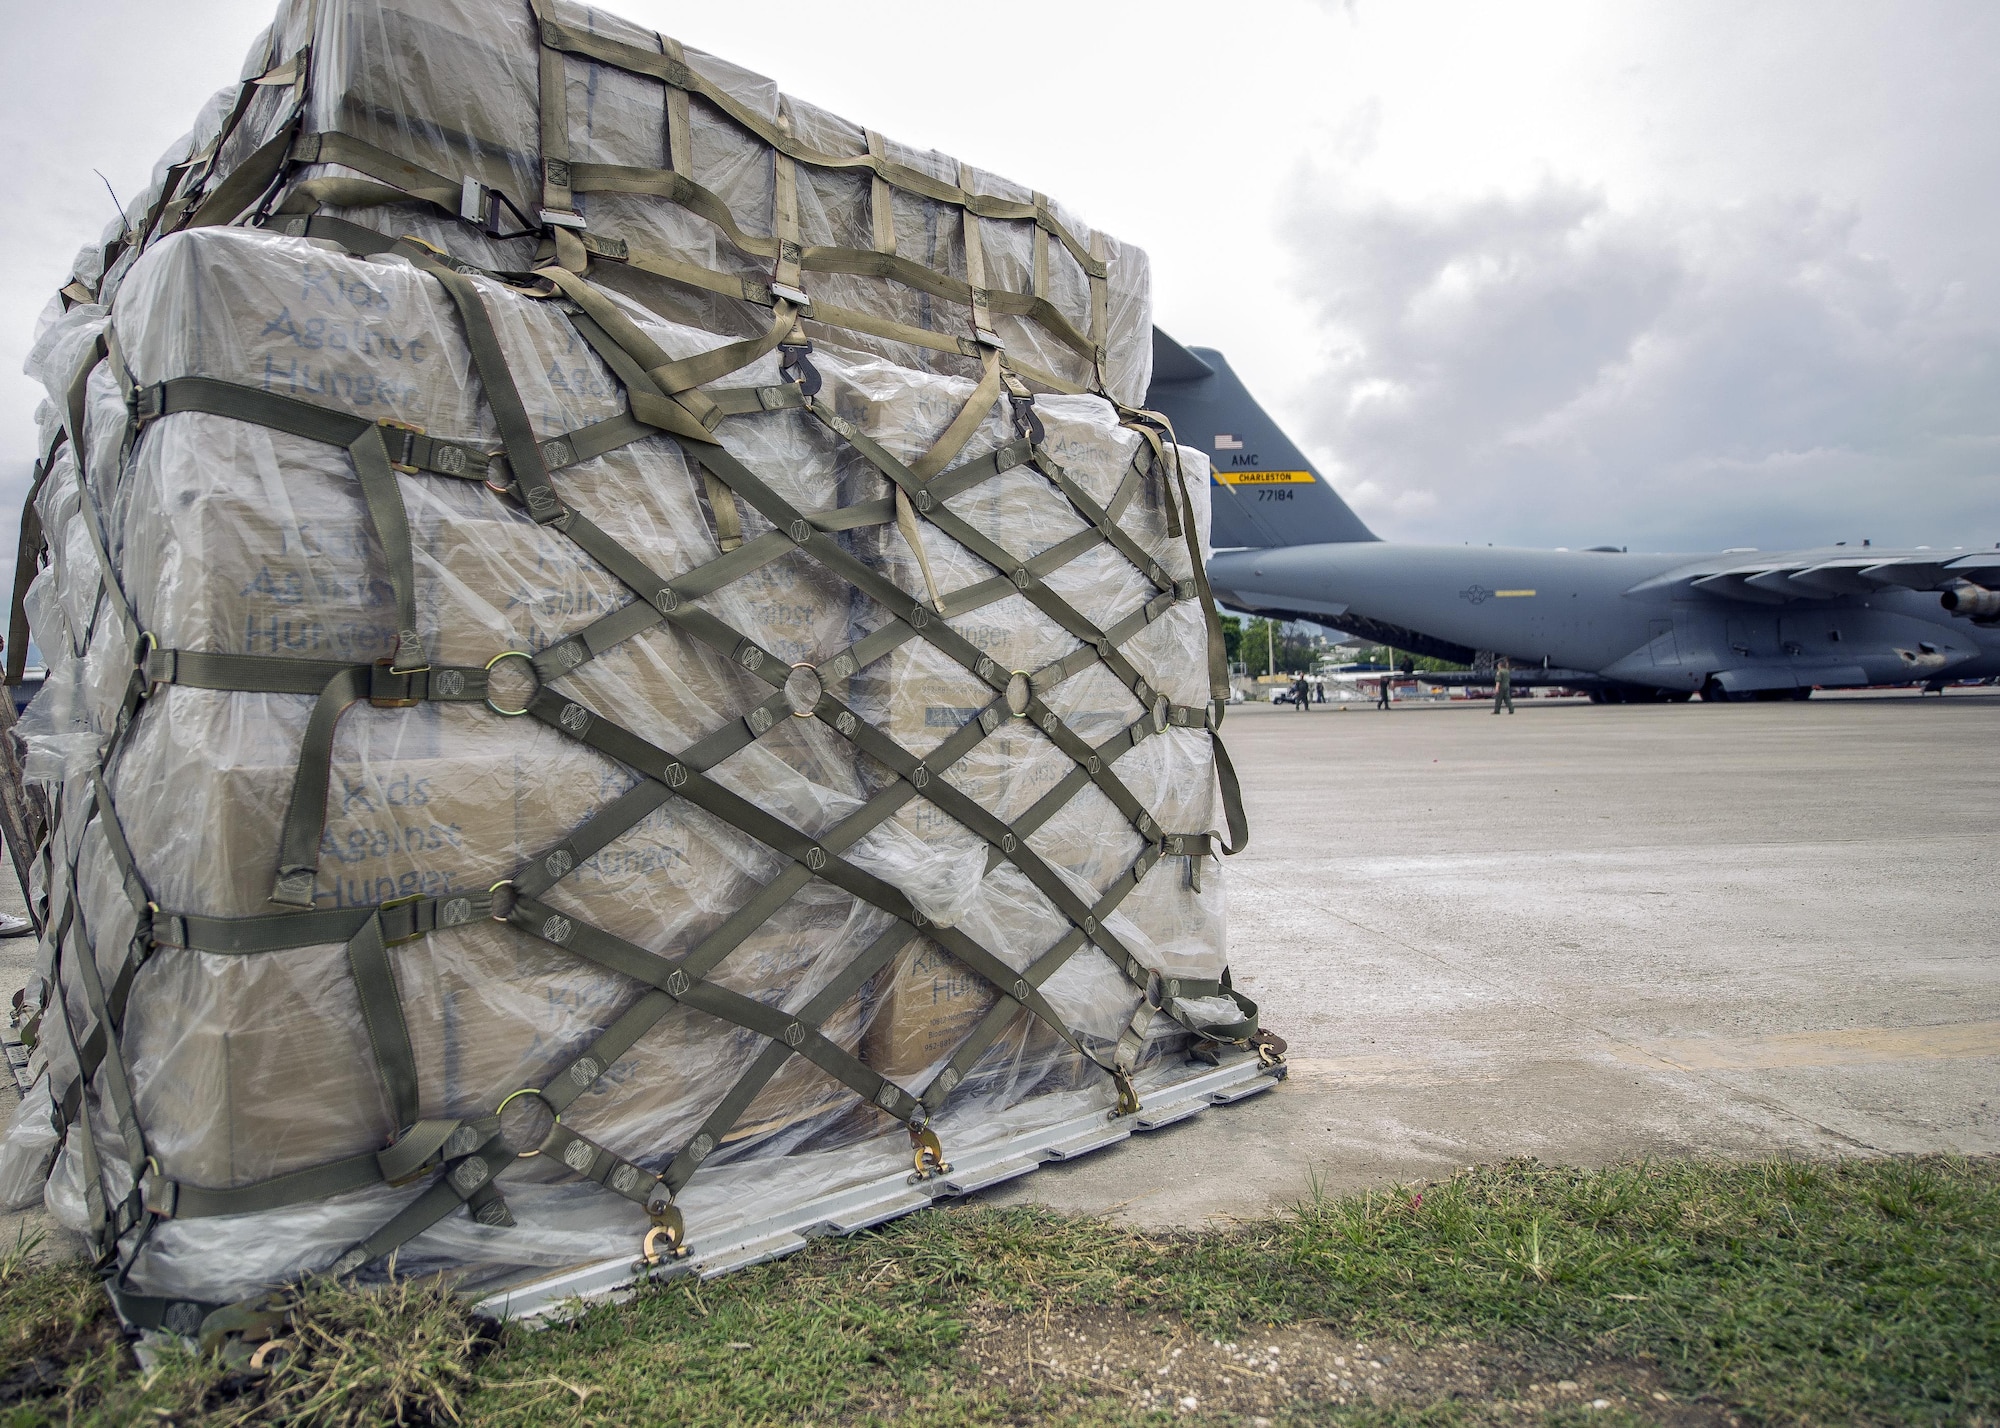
(1265, 491)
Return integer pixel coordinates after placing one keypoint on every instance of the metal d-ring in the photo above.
(806, 713)
(1028, 683)
(146, 645)
(533, 672)
(513, 1096)
(503, 883)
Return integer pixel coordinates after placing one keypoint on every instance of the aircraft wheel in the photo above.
(1713, 692)
(1596, 696)
(1678, 696)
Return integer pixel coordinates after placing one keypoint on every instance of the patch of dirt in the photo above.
(33, 1368)
(1159, 1364)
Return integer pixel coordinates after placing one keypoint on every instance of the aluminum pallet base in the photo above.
(1168, 1101)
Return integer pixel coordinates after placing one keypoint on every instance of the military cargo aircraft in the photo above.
(1740, 624)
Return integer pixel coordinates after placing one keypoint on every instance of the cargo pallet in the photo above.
(1168, 1097)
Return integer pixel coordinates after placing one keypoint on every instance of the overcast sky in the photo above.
(1672, 275)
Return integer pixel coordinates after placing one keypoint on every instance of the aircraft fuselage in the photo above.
(1633, 618)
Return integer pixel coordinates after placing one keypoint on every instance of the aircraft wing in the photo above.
(1784, 579)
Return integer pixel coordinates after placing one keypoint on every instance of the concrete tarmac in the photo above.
(1586, 933)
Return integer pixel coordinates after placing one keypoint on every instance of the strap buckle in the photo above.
(147, 403)
(404, 461)
(142, 659)
(795, 365)
(435, 1159)
(158, 1193)
(1027, 425)
(163, 929)
(416, 934)
(380, 675)
(475, 202)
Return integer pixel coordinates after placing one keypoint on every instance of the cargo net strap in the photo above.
(299, 215)
(196, 194)
(463, 1154)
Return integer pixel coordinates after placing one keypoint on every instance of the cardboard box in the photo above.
(927, 1003)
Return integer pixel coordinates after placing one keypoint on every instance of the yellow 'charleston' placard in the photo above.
(1265, 478)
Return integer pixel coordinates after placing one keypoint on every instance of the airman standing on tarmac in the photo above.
(1382, 700)
(1302, 693)
(1503, 684)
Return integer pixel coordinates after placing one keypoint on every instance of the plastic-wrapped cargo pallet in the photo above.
(622, 668)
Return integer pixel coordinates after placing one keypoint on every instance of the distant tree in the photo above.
(1383, 654)
(1248, 641)
(1296, 651)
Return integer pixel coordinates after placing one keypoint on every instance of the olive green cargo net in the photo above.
(452, 1161)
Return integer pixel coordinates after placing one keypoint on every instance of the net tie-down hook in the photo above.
(927, 1153)
(1128, 1094)
(668, 1237)
(1270, 1048)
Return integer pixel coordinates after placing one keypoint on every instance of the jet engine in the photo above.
(1976, 601)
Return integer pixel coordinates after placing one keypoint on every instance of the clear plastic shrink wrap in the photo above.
(525, 726)
(404, 114)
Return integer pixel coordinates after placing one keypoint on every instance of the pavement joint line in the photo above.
(1721, 1086)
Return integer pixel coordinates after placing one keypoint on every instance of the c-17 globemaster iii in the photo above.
(1624, 625)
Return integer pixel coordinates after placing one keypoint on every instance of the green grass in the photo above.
(1863, 1291)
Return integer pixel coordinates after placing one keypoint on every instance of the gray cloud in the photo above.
(1549, 369)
